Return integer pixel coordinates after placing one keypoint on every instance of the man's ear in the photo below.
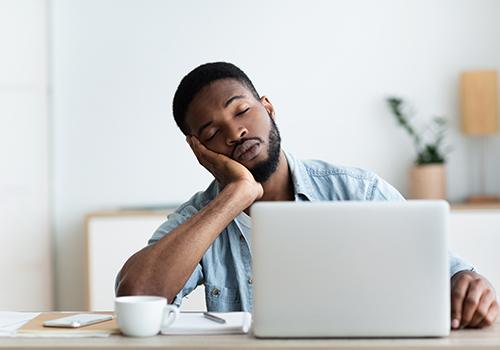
(268, 106)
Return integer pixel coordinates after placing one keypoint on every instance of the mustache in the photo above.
(243, 140)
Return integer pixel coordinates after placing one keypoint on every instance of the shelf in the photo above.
(475, 206)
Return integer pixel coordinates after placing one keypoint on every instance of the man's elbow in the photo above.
(130, 281)
(122, 291)
(126, 287)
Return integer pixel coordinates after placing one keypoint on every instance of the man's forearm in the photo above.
(164, 268)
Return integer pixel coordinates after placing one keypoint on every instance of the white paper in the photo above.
(196, 323)
(11, 321)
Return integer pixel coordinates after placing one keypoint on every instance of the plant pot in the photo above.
(428, 182)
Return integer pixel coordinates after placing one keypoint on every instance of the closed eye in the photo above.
(243, 112)
(212, 136)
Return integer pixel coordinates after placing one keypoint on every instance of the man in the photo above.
(232, 131)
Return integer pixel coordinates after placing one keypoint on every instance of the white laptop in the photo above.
(350, 269)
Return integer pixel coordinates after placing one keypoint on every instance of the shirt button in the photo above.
(215, 292)
(250, 280)
(242, 238)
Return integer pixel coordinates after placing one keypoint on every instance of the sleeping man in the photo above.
(232, 131)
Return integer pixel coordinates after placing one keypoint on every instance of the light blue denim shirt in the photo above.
(226, 267)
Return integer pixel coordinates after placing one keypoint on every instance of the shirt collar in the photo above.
(302, 185)
(301, 180)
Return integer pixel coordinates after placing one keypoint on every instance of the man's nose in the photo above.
(235, 134)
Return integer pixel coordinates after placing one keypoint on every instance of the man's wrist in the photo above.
(245, 191)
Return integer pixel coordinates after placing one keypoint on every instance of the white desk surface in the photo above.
(468, 339)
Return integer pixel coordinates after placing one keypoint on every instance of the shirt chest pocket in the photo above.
(222, 299)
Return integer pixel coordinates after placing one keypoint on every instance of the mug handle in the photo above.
(170, 313)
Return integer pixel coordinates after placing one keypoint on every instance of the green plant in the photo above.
(428, 152)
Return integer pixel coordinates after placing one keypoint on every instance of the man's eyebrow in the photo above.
(228, 102)
(201, 128)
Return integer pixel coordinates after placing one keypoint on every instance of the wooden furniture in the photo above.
(475, 236)
(467, 339)
(111, 238)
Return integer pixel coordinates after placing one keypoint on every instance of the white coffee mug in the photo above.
(144, 316)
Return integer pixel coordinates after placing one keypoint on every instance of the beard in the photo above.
(263, 170)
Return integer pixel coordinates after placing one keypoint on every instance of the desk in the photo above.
(468, 339)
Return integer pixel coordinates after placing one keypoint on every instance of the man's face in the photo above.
(228, 119)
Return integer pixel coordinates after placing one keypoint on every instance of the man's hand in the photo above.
(224, 169)
(473, 301)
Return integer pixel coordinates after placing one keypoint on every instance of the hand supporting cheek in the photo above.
(224, 169)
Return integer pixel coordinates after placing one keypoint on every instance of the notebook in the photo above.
(196, 323)
(35, 328)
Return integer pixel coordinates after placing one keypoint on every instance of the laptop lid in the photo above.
(350, 269)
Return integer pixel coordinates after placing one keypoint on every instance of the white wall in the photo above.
(326, 65)
(25, 236)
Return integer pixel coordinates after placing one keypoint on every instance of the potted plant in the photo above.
(427, 176)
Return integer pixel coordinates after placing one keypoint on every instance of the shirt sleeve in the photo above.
(381, 190)
(175, 219)
(457, 264)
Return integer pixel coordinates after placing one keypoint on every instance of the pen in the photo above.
(214, 318)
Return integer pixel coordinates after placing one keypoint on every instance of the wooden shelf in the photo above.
(475, 206)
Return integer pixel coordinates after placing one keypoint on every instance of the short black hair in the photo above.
(200, 77)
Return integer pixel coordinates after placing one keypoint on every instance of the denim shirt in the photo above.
(226, 267)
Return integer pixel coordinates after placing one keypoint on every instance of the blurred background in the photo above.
(86, 88)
